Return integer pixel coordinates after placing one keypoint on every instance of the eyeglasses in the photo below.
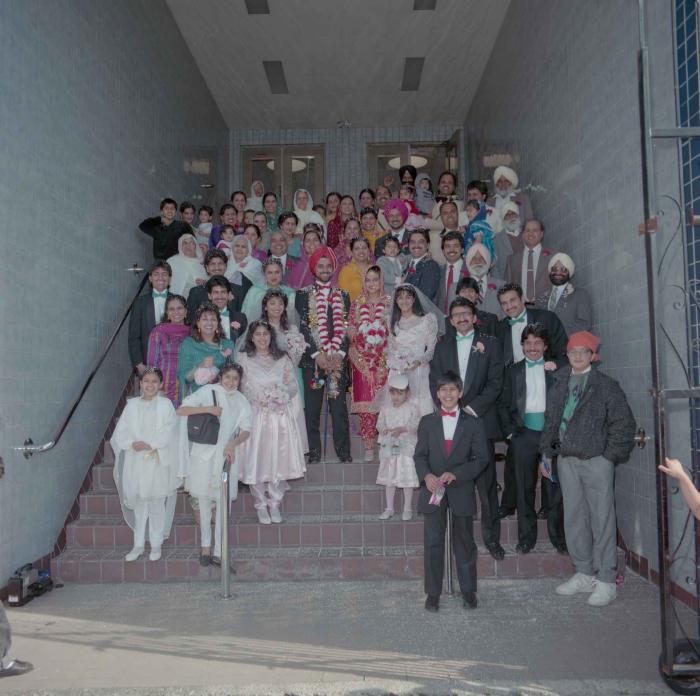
(579, 352)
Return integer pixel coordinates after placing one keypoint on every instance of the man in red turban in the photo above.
(323, 252)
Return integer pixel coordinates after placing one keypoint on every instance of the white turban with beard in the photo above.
(478, 270)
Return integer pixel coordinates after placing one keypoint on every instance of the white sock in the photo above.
(390, 492)
(407, 499)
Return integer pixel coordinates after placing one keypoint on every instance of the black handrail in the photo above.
(29, 448)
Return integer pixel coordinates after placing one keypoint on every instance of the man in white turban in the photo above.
(506, 182)
(508, 240)
(479, 263)
(574, 309)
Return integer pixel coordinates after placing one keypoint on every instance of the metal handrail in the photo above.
(29, 448)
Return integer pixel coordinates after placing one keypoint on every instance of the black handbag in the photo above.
(203, 428)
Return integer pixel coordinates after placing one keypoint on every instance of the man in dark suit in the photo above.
(422, 272)
(279, 245)
(146, 312)
(468, 288)
(521, 412)
(528, 266)
(323, 312)
(477, 359)
(453, 271)
(450, 453)
(396, 213)
(510, 329)
(215, 262)
(165, 230)
(233, 322)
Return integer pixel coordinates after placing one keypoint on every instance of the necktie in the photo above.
(466, 337)
(516, 321)
(162, 295)
(482, 287)
(450, 280)
(448, 413)
(530, 289)
(534, 363)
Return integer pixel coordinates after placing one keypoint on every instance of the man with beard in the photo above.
(478, 260)
(396, 212)
(506, 182)
(508, 241)
(447, 191)
(323, 314)
(383, 195)
(574, 308)
(528, 267)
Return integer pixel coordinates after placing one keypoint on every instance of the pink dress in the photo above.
(396, 465)
(274, 451)
(415, 340)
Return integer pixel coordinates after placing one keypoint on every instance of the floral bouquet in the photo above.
(295, 345)
(275, 399)
(374, 333)
(400, 361)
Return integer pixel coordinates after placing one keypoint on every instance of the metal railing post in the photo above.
(448, 555)
(225, 555)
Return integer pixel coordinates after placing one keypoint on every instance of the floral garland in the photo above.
(318, 320)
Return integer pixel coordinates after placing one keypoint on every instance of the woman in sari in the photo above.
(352, 276)
(164, 343)
(272, 273)
(351, 231)
(368, 328)
(300, 276)
(346, 211)
(332, 203)
(272, 210)
(187, 266)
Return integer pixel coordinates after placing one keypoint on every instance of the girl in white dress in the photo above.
(201, 465)
(398, 427)
(274, 453)
(146, 473)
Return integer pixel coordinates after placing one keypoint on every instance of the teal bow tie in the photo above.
(223, 312)
(534, 363)
(466, 337)
(160, 294)
(516, 321)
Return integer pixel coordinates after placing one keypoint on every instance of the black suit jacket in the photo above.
(511, 405)
(198, 296)
(301, 304)
(483, 380)
(425, 276)
(556, 350)
(141, 320)
(468, 458)
(165, 237)
(234, 316)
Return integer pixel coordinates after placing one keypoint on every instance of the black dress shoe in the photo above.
(204, 559)
(469, 600)
(345, 458)
(542, 514)
(504, 512)
(314, 458)
(432, 603)
(524, 548)
(561, 548)
(16, 668)
(496, 551)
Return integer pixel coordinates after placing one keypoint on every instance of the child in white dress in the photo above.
(398, 427)
(146, 475)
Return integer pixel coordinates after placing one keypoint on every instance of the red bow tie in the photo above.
(448, 413)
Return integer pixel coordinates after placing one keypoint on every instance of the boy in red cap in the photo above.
(589, 427)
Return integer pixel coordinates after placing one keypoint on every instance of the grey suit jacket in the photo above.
(514, 271)
(505, 245)
(574, 309)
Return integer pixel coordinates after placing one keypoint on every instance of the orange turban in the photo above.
(584, 339)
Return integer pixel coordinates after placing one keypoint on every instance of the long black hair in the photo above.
(274, 292)
(396, 312)
(249, 348)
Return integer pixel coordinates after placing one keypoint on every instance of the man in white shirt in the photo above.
(528, 267)
(453, 270)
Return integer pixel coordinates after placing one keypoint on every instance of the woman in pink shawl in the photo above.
(342, 250)
(346, 211)
(164, 343)
(300, 275)
(368, 328)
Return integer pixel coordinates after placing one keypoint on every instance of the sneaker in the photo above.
(575, 584)
(275, 515)
(369, 455)
(263, 516)
(155, 554)
(407, 515)
(603, 594)
(387, 514)
(134, 553)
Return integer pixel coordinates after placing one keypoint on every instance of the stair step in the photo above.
(312, 563)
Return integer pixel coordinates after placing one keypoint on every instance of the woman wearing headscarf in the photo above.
(243, 263)
(272, 210)
(300, 275)
(346, 211)
(257, 189)
(187, 266)
(304, 210)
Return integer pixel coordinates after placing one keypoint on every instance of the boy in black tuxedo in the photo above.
(451, 452)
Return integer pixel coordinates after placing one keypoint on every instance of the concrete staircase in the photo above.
(330, 530)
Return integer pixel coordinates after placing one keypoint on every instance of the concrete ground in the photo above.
(310, 639)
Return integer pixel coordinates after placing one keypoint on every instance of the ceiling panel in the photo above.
(341, 59)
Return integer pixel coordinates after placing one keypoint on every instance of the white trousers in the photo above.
(205, 507)
(151, 512)
(275, 492)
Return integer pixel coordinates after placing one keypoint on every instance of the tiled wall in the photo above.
(560, 95)
(102, 110)
(346, 150)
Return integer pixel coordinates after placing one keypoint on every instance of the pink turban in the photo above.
(396, 204)
(323, 252)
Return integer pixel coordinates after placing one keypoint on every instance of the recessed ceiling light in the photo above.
(416, 160)
(275, 76)
(297, 165)
(412, 70)
(257, 7)
(420, 5)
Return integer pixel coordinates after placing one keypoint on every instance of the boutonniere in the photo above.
(227, 353)
(411, 270)
(550, 366)
(478, 348)
(520, 203)
(243, 264)
(290, 265)
(236, 325)
(491, 286)
(546, 252)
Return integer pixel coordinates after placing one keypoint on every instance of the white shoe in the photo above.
(387, 514)
(134, 553)
(407, 515)
(603, 594)
(155, 554)
(263, 516)
(369, 455)
(575, 584)
(275, 515)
